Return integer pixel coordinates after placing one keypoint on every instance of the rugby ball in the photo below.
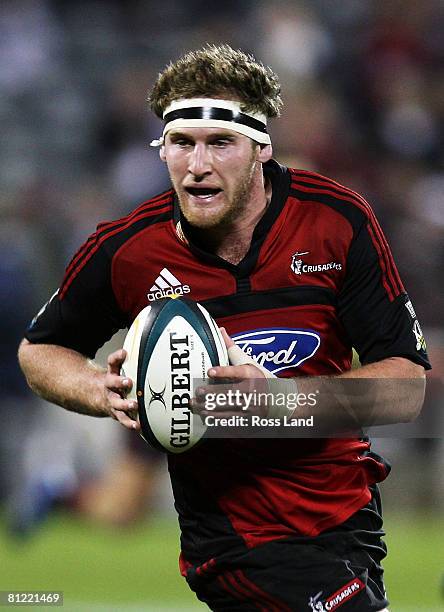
(170, 347)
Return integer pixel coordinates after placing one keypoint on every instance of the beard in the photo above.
(225, 214)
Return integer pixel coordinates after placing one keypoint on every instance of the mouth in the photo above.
(203, 193)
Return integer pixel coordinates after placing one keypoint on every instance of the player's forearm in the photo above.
(381, 393)
(392, 367)
(64, 377)
(385, 392)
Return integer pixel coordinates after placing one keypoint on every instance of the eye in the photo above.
(182, 142)
(222, 142)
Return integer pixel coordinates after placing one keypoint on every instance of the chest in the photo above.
(278, 303)
(303, 249)
(234, 252)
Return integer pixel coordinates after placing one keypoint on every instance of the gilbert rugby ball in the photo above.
(170, 347)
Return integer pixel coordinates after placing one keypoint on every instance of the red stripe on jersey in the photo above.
(399, 287)
(244, 593)
(393, 269)
(184, 565)
(234, 590)
(152, 203)
(102, 227)
(324, 181)
(206, 568)
(274, 604)
(70, 277)
(381, 261)
(385, 257)
(159, 200)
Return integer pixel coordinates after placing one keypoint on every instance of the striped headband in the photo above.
(209, 112)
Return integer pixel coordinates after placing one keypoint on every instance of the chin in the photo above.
(206, 219)
(197, 219)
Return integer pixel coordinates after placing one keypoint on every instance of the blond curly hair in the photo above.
(218, 71)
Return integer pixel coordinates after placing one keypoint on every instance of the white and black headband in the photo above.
(209, 112)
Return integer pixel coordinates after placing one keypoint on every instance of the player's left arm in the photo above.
(385, 392)
(380, 322)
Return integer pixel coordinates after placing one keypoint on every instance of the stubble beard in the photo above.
(228, 214)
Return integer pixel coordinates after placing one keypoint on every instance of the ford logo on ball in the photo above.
(279, 348)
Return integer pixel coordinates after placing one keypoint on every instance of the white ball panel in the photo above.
(178, 359)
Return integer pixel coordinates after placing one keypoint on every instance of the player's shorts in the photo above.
(339, 569)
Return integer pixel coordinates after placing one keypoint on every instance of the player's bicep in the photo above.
(82, 315)
(373, 305)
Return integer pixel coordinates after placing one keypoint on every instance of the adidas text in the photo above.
(162, 293)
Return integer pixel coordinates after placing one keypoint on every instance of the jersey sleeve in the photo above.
(373, 305)
(83, 313)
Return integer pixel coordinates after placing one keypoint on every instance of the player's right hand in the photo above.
(116, 389)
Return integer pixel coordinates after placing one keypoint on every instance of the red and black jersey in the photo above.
(318, 280)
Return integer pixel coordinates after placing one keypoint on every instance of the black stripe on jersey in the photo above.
(231, 590)
(315, 181)
(156, 203)
(355, 216)
(286, 297)
(118, 234)
(354, 208)
(150, 204)
(243, 285)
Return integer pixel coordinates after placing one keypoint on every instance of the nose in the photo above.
(200, 161)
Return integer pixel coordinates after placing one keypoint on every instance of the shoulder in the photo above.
(111, 235)
(147, 213)
(96, 253)
(309, 186)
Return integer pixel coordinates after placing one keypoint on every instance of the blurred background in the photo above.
(86, 508)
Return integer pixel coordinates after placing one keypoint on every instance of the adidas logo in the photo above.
(166, 285)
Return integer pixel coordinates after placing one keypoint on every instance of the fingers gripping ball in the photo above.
(276, 385)
(170, 347)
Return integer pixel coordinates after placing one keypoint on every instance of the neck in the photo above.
(231, 242)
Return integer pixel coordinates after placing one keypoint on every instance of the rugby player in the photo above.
(288, 254)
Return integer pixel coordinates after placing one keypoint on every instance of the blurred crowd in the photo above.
(363, 86)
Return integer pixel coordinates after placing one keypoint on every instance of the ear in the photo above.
(162, 153)
(265, 153)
